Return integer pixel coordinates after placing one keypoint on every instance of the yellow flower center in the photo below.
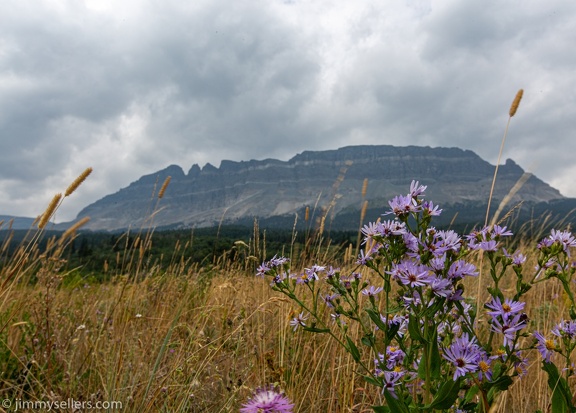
(550, 345)
(484, 366)
(506, 308)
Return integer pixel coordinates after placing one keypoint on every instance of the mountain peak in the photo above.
(331, 179)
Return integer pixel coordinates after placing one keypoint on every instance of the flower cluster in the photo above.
(268, 399)
(415, 317)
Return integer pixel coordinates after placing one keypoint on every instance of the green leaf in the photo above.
(353, 349)
(381, 409)
(446, 395)
(373, 381)
(316, 329)
(395, 405)
(435, 359)
(472, 391)
(414, 328)
(499, 385)
(561, 397)
(375, 317)
(368, 340)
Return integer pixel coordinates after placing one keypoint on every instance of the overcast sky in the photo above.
(129, 87)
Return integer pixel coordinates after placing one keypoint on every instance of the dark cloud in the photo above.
(130, 88)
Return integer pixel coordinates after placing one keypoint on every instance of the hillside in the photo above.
(331, 181)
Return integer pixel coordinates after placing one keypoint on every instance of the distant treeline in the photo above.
(101, 253)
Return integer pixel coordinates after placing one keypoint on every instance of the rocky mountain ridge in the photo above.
(330, 181)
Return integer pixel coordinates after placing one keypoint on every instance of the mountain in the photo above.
(329, 182)
(10, 222)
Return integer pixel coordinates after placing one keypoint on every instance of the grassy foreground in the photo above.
(189, 338)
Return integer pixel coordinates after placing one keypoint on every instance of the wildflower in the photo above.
(416, 189)
(544, 346)
(565, 238)
(372, 291)
(410, 241)
(442, 287)
(278, 279)
(393, 227)
(331, 272)
(509, 327)
(329, 299)
(465, 354)
(411, 274)
(402, 206)
(521, 364)
(499, 231)
(565, 329)
(262, 269)
(278, 261)
(484, 368)
(138, 315)
(505, 310)
(267, 399)
(488, 246)
(430, 209)
(363, 258)
(518, 259)
(373, 229)
(461, 269)
(391, 379)
(299, 320)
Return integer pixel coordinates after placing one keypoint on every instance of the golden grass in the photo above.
(186, 338)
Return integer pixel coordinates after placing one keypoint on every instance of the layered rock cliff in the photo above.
(329, 180)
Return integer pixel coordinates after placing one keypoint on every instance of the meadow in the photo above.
(170, 336)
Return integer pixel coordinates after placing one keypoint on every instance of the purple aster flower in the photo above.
(416, 189)
(279, 278)
(391, 379)
(450, 240)
(262, 269)
(267, 399)
(410, 273)
(402, 206)
(331, 272)
(518, 259)
(372, 291)
(437, 264)
(373, 229)
(278, 261)
(442, 287)
(430, 209)
(521, 364)
(544, 243)
(363, 258)
(506, 310)
(464, 354)
(509, 327)
(461, 269)
(410, 241)
(329, 299)
(565, 329)
(545, 346)
(393, 227)
(563, 237)
(484, 368)
(394, 357)
(400, 320)
(336, 318)
(488, 246)
(499, 231)
(299, 320)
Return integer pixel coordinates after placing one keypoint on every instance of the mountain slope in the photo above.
(330, 180)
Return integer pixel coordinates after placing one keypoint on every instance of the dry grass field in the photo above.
(188, 338)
